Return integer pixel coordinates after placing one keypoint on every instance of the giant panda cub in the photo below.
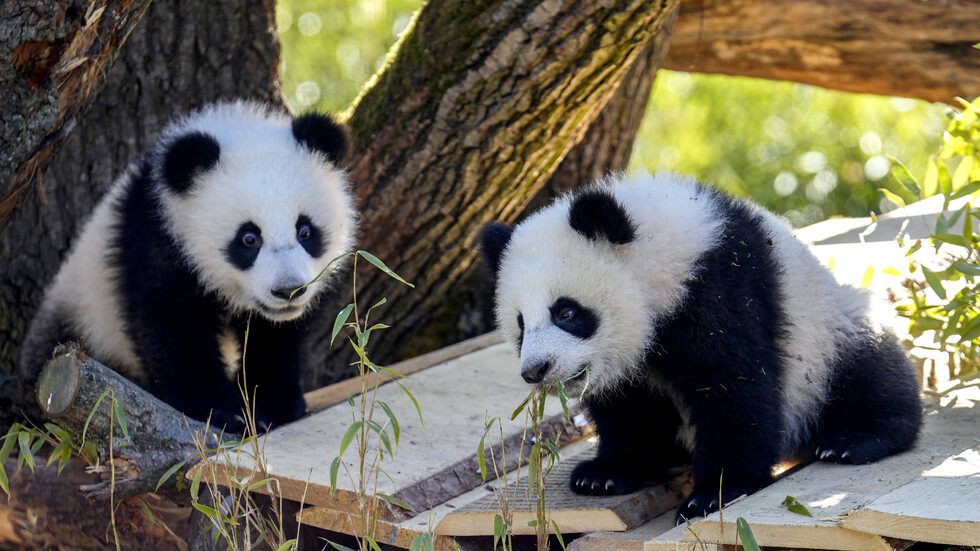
(696, 328)
(220, 225)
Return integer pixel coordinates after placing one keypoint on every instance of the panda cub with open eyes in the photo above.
(219, 226)
(696, 328)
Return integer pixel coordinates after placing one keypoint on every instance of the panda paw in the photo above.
(702, 503)
(600, 478)
(848, 447)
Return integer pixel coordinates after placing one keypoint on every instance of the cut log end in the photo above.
(58, 384)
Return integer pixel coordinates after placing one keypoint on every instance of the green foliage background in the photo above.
(802, 151)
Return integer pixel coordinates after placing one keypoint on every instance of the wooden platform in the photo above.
(931, 493)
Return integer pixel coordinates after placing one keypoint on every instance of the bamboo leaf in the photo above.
(287, 545)
(334, 469)
(338, 323)
(561, 540)
(339, 546)
(795, 506)
(349, 436)
(381, 266)
(745, 532)
(121, 417)
(395, 429)
(170, 472)
(520, 408)
(498, 529)
(891, 271)
(8, 442)
(395, 501)
(414, 403)
(869, 272)
(563, 398)
(481, 459)
(904, 177)
(894, 198)
(968, 189)
(4, 483)
(374, 545)
(24, 439)
(92, 413)
(933, 280)
(196, 485)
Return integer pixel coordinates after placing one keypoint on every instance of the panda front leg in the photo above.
(272, 369)
(736, 444)
(637, 431)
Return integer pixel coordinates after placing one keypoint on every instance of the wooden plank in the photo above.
(322, 398)
(384, 532)
(572, 512)
(630, 540)
(832, 491)
(430, 466)
(942, 505)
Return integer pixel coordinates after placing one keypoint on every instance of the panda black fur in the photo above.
(697, 329)
(232, 210)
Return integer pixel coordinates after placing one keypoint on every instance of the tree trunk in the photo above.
(170, 64)
(58, 54)
(922, 49)
(467, 124)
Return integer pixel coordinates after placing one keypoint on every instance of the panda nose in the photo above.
(288, 293)
(536, 372)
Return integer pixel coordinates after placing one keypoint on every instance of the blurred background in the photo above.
(802, 151)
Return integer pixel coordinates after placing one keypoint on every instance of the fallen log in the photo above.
(78, 392)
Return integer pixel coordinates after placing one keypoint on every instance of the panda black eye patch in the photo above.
(573, 318)
(309, 236)
(244, 247)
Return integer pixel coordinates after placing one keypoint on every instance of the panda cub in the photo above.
(219, 225)
(696, 328)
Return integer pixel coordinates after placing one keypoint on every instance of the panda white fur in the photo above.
(224, 220)
(696, 328)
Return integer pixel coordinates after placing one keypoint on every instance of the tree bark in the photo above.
(170, 64)
(58, 53)
(921, 49)
(466, 126)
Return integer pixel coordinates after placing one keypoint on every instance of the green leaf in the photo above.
(334, 469)
(374, 545)
(414, 403)
(8, 442)
(967, 268)
(381, 434)
(892, 197)
(561, 541)
(744, 532)
(60, 434)
(968, 189)
(121, 417)
(363, 339)
(395, 429)
(339, 546)
(869, 272)
(933, 280)
(962, 174)
(891, 271)
(211, 513)
(4, 483)
(338, 323)
(904, 177)
(92, 413)
(563, 398)
(349, 436)
(57, 453)
(24, 439)
(971, 331)
(395, 501)
(381, 266)
(520, 408)
(795, 506)
(952, 239)
(481, 459)
(196, 485)
(287, 545)
(170, 472)
(930, 181)
(498, 529)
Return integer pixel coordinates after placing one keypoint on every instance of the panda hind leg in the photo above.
(874, 409)
(630, 456)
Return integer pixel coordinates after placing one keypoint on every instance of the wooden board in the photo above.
(833, 491)
(572, 512)
(431, 465)
(322, 398)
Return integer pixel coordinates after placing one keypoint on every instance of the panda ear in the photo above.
(322, 134)
(187, 156)
(494, 238)
(596, 213)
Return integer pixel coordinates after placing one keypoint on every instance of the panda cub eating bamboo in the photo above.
(218, 227)
(697, 329)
